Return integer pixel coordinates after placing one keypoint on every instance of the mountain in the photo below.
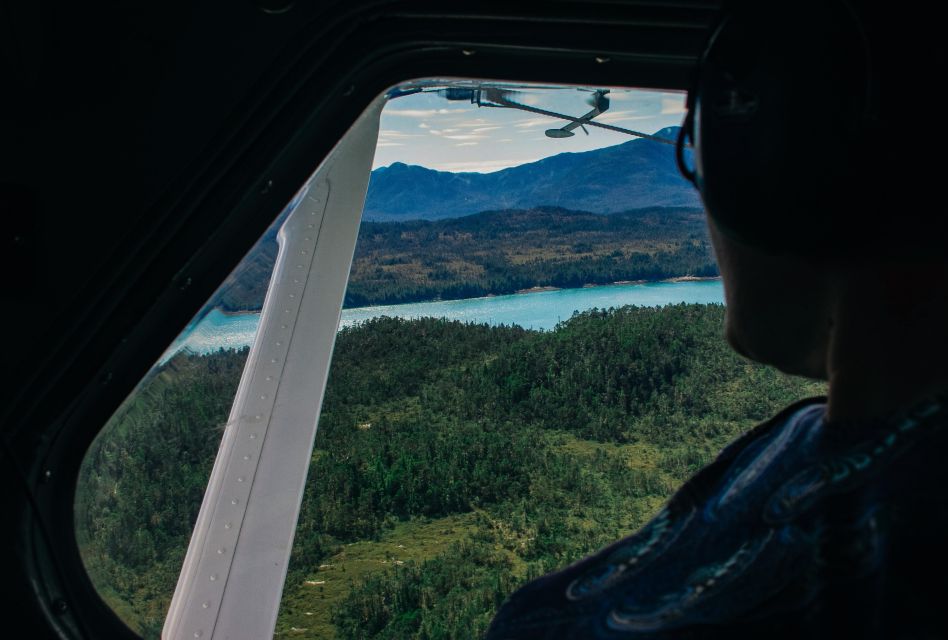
(633, 175)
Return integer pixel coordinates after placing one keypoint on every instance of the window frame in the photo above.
(231, 199)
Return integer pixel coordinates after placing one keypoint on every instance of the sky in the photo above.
(428, 130)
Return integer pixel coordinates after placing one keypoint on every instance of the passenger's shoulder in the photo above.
(695, 546)
(697, 487)
(768, 427)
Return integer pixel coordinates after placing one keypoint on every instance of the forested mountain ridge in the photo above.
(501, 252)
(633, 175)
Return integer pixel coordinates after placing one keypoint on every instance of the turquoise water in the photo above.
(535, 310)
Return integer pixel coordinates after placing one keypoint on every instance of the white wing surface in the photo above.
(232, 578)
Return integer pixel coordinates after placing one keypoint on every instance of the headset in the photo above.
(790, 155)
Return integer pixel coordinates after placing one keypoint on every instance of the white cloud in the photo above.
(421, 113)
(673, 106)
(465, 137)
(533, 122)
(424, 125)
(484, 129)
(383, 143)
(612, 117)
(480, 166)
(397, 135)
(473, 124)
(466, 144)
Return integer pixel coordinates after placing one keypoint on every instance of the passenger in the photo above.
(830, 519)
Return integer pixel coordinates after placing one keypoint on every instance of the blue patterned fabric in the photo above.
(800, 528)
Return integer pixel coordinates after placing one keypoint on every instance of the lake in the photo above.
(535, 310)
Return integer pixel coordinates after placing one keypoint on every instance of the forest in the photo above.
(501, 252)
(452, 463)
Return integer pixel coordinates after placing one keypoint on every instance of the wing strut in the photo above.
(232, 578)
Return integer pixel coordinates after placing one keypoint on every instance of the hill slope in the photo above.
(633, 175)
(499, 252)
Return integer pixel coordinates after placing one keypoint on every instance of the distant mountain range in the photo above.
(633, 175)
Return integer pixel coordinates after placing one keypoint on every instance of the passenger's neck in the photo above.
(889, 346)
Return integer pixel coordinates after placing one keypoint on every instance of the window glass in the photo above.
(532, 360)
(529, 362)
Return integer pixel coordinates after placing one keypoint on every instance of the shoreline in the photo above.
(690, 278)
(537, 289)
(533, 290)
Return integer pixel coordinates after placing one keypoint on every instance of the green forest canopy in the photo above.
(452, 463)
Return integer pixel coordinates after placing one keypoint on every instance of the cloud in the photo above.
(421, 113)
(465, 136)
(424, 125)
(484, 129)
(673, 106)
(383, 143)
(397, 135)
(449, 134)
(533, 122)
(612, 117)
(473, 124)
(480, 166)
(466, 144)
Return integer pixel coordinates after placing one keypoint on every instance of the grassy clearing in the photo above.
(310, 599)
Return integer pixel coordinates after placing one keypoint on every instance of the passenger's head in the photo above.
(811, 158)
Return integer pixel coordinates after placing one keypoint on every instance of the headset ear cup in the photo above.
(684, 134)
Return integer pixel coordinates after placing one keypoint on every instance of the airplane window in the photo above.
(529, 361)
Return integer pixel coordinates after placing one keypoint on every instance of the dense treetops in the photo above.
(548, 445)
